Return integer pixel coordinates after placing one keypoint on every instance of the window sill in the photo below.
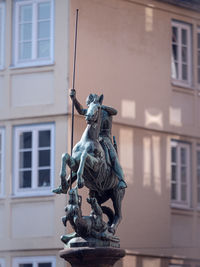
(32, 65)
(182, 85)
(181, 210)
(37, 194)
(183, 89)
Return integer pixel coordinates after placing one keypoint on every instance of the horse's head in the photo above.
(94, 103)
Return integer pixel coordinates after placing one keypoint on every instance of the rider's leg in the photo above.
(117, 167)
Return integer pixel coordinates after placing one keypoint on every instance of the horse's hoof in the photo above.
(64, 220)
(81, 183)
(111, 230)
(65, 239)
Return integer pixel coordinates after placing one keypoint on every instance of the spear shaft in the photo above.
(73, 88)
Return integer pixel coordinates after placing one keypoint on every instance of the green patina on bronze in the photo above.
(94, 164)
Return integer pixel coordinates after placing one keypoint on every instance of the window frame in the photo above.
(35, 60)
(2, 37)
(34, 260)
(2, 159)
(178, 203)
(179, 81)
(198, 52)
(34, 190)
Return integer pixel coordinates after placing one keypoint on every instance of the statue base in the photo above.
(78, 242)
(92, 257)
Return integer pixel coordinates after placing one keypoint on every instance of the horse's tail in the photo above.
(109, 213)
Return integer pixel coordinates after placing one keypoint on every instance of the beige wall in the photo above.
(123, 50)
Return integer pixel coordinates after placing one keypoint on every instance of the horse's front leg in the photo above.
(66, 160)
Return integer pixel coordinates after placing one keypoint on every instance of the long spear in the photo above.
(73, 88)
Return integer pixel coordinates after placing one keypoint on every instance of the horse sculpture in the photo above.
(89, 166)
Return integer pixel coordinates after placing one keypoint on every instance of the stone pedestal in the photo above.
(92, 257)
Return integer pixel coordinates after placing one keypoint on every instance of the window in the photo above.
(198, 175)
(2, 156)
(49, 261)
(34, 163)
(33, 32)
(2, 33)
(2, 263)
(180, 174)
(198, 55)
(181, 54)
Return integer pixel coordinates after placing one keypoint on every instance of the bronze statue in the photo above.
(94, 163)
(91, 226)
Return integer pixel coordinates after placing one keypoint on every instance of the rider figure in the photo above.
(104, 135)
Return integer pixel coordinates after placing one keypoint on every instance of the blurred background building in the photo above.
(144, 56)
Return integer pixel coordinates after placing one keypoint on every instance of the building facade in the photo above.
(144, 56)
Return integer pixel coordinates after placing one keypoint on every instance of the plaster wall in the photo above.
(125, 48)
(31, 91)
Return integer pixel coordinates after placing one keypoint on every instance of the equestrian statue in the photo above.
(94, 163)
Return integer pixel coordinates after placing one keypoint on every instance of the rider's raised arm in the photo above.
(111, 111)
(77, 105)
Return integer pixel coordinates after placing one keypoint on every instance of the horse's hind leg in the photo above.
(117, 198)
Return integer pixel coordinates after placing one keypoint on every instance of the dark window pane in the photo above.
(173, 173)
(44, 138)
(44, 158)
(173, 155)
(44, 10)
(25, 13)
(25, 51)
(47, 264)
(184, 36)
(25, 159)
(183, 192)
(174, 34)
(198, 40)
(26, 140)
(183, 174)
(173, 191)
(44, 178)
(184, 72)
(43, 48)
(184, 54)
(198, 177)
(199, 58)
(175, 52)
(25, 265)
(198, 75)
(25, 179)
(198, 194)
(198, 158)
(183, 155)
